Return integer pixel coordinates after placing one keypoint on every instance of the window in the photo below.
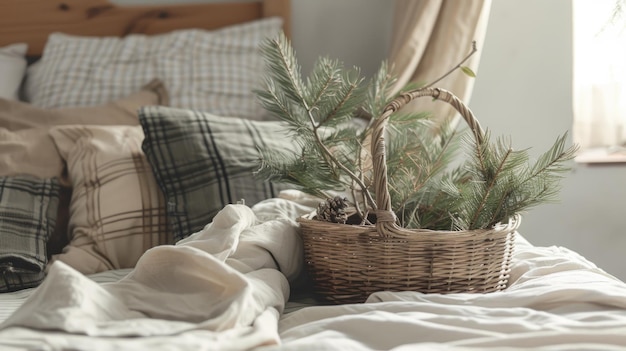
(599, 78)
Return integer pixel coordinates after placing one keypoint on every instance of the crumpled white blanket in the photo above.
(222, 288)
(557, 300)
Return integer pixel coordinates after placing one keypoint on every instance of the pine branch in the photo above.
(507, 184)
(419, 158)
(344, 101)
(274, 101)
(490, 184)
(378, 94)
(495, 183)
(324, 77)
(284, 68)
(551, 160)
(353, 176)
(337, 90)
(303, 170)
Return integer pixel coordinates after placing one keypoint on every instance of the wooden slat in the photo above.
(31, 21)
(279, 8)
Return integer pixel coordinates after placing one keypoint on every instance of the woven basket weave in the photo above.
(349, 262)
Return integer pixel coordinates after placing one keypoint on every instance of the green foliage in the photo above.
(332, 155)
(468, 71)
(317, 111)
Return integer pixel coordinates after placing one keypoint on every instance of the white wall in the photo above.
(356, 32)
(523, 89)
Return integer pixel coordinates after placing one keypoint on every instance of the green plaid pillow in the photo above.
(28, 211)
(203, 162)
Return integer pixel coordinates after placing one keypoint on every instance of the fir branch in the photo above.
(378, 94)
(344, 101)
(551, 160)
(507, 185)
(490, 183)
(344, 146)
(494, 184)
(284, 68)
(324, 77)
(286, 166)
(353, 176)
(271, 100)
(423, 157)
(480, 149)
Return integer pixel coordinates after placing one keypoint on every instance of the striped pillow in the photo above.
(28, 210)
(117, 211)
(214, 71)
(203, 162)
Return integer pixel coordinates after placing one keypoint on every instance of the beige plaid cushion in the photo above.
(117, 211)
(213, 71)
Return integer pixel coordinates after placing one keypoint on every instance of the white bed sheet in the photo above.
(557, 300)
(9, 302)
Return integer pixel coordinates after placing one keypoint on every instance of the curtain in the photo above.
(429, 37)
(599, 77)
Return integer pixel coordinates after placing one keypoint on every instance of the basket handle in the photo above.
(386, 221)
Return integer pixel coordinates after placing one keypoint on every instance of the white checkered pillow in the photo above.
(12, 69)
(214, 71)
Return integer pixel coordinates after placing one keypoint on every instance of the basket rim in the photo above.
(511, 226)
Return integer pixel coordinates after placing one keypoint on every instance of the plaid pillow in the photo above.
(26, 147)
(214, 71)
(28, 210)
(203, 162)
(117, 211)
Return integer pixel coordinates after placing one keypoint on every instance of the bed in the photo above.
(130, 218)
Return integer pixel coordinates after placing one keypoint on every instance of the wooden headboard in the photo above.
(31, 21)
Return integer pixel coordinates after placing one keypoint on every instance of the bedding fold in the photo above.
(221, 284)
(557, 300)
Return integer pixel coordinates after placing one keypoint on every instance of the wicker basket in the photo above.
(349, 262)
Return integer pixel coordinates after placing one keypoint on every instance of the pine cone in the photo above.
(333, 210)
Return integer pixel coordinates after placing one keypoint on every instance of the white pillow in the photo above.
(12, 68)
(214, 71)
